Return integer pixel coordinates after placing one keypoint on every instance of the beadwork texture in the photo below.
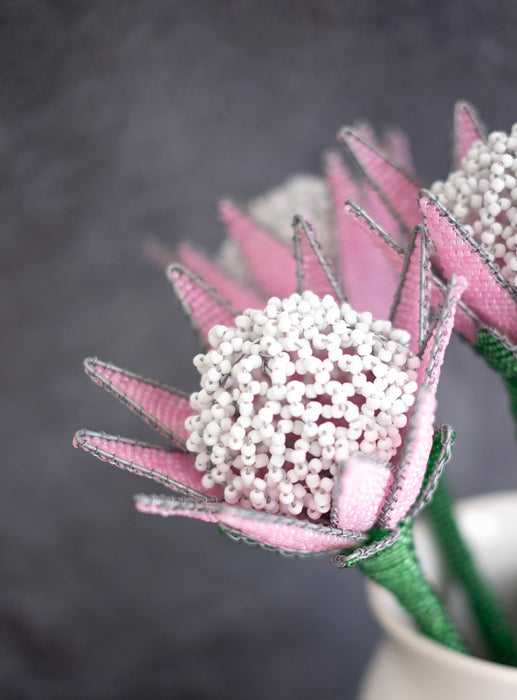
(470, 219)
(291, 443)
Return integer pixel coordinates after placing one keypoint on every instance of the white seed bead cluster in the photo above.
(289, 393)
(483, 197)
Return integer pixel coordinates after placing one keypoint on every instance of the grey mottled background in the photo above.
(122, 120)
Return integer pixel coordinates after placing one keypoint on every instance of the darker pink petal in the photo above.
(173, 469)
(410, 472)
(468, 129)
(163, 408)
(204, 307)
(414, 294)
(360, 492)
(287, 534)
(315, 273)
(240, 297)
(434, 351)
(396, 187)
(268, 260)
(488, 293)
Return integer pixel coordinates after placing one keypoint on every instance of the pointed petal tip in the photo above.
(89, 364)
(466, 106)
(298, 220)
(175, 270)
(226, 209)
(346, 133)
(79, 438)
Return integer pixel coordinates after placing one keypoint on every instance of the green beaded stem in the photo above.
(497, 633)
(397, 568)
(503, 361)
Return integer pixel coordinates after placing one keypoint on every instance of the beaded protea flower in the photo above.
(471, 219)
(313, 425)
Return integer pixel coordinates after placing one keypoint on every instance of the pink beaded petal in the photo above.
(173, 469)
(362, 252)
(360, 491)
(410, 471)
(168, 507)
(240, 297)
(397, 147)
(411, 308)
(268, 260)
(163, 408)
(314, 271)
(204, 307)
(434, 351)
(465, 321)
(468, 128)
(488, 293)
(284, 533)
(394, 186)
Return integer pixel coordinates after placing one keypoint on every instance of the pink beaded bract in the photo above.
(314, 422)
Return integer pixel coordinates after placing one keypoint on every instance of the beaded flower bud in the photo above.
(482, 196)
(292, 391)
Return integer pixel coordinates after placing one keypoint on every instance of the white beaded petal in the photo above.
(289, 393)
(483, 197)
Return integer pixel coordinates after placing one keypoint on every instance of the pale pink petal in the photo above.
(163, 408)
(396, 187)
(434, 351)
(370, 276)
(381, 214)
(411, 311)
(314, 271)
(396, 145)
(173, 469)
(204, 307)
(488, 293)
(341, 185)
(391, 248)
(468, 128)
(360, 491)
(158, 253)
(267, 259)
(168, 507)
(410, 471)
(378, 294)
(358, 252)
(240, 297)
(287, 534)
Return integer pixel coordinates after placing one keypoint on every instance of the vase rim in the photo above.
(399, 626)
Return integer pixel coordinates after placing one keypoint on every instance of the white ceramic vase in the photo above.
(409, 666)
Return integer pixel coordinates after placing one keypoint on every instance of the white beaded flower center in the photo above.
(289, 393)
(483, 197)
